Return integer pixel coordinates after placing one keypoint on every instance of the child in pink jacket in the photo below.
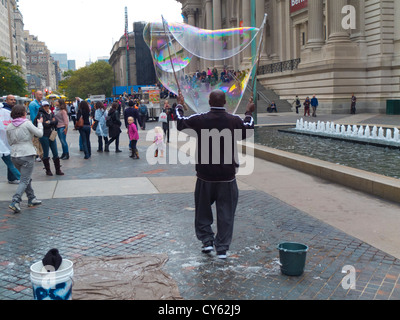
(133, 137)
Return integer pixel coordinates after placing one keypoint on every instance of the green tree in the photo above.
(11, 80)
(95, 79)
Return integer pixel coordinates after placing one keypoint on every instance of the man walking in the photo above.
(314, 105)
(217, 134)
(13, 175)
(353, 104)
(34, 107)
(143, 114)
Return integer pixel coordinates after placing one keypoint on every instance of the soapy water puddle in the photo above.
(210, 264)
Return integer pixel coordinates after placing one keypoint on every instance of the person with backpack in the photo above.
(143, 114)
(297, 103)
(114, 127)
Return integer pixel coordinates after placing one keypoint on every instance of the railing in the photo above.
(260, 95)
(279, 67)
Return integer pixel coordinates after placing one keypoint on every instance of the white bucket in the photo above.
(55, 285)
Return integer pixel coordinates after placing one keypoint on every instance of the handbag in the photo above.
(94, 125)
(79, 123)
(163, 117)
(53, 135)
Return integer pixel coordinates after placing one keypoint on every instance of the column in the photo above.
(397, 28)
(217, 17)
(296, 41)
(246, 14)
(191, 18)
(273, 20)
(359, 33)
(217, 14)
(260, 13)
(208, 26)
(195, 61)
(316, 23)
(336, 32)
(209, 14)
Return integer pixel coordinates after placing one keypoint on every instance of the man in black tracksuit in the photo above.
(217, 132)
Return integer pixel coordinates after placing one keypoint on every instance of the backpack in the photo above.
(143, 110)
(109, 121)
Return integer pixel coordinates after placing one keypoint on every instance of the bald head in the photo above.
(10, 100)
(217, 98)
(39, 95)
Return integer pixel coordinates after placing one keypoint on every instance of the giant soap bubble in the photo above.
(176, 47)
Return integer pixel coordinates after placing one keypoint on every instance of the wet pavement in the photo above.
(129, 207)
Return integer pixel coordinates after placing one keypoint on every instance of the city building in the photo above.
(62, 58)
(331, 48)
(12, 45)
(141, 68)
(39, 62)
(72, 65)
(106, 59)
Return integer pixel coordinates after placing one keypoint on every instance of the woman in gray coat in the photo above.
(101, 130)
(20, 133)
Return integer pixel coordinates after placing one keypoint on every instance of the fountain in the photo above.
(353, 133)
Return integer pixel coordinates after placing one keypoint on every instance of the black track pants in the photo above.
(225, 195)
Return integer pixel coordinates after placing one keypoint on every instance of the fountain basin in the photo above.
(353, 133)
(375, 184)
(355, 139)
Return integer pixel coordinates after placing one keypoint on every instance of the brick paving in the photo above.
(163, 223)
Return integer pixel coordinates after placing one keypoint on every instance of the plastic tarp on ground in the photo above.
(137, 277)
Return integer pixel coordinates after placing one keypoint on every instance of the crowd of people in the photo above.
(211, 77)
(31, 135)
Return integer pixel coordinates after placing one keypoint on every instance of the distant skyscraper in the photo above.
(62, 59)
(72, 65)
(103, 59)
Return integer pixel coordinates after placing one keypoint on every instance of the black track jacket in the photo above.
(217, 133)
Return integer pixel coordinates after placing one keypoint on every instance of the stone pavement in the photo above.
(113, 205)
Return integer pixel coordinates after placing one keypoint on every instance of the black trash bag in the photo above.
(52, 258)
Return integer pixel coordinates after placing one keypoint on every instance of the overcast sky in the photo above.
(88, 29)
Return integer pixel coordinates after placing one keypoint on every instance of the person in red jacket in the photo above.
(217, 134)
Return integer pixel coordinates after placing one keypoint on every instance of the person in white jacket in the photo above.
(20, 133)
(13, 174)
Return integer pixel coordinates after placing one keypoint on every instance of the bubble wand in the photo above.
(260, 47)
(170, 58)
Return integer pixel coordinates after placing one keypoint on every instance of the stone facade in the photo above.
(331, 48)
(40, 63)
(12, 45)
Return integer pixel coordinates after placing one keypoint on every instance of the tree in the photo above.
(11, 80)
(95, 79)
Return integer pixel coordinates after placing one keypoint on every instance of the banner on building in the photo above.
(296, 5)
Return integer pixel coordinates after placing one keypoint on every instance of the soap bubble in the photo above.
(175, 47)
